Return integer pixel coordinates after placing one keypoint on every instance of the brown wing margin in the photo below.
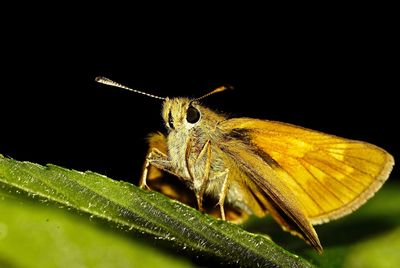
(283, 206)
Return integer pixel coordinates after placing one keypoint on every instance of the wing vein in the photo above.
(355, 157)
(328, 163)
(319, 182)
(304, 190)
(344, 185)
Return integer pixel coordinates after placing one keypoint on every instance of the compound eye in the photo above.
(192, 115)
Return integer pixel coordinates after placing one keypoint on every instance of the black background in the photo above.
(334, 74)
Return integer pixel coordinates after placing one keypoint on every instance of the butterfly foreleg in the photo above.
(158, 159)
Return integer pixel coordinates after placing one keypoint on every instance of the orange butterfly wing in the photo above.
(330, 176)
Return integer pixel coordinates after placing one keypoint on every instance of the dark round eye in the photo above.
(192, 115)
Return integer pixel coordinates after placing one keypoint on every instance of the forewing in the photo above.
(330, 176)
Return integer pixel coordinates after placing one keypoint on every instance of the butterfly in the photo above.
(299, 176)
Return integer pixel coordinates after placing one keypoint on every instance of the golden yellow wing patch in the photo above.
(330, 176)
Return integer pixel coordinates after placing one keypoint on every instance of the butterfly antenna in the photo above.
(217, 90)
(106, 81)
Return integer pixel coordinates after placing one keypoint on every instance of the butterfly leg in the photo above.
(158, 159)
(224, 191)
(201, 166)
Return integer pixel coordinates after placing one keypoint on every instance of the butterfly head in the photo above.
(181, 113)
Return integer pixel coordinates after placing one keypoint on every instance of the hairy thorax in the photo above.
(186, 150)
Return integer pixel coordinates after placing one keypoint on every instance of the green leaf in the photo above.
(87, 231)
(36, 235)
